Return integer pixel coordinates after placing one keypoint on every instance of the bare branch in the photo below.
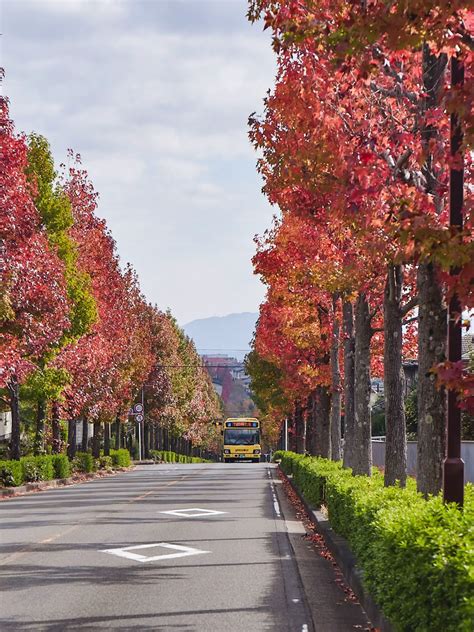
(412, 303)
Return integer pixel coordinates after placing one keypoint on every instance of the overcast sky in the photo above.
(155, 96)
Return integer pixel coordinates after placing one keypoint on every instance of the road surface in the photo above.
(109, 555)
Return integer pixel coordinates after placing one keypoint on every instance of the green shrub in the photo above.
(417, 555)
(11, 473)
(120, 458)
(157, 455)
(171, 457)
(61, 466)
(105, 463)
(84, 462)
(37, 468)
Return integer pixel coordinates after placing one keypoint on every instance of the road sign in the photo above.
(138, 408)
(139, 417)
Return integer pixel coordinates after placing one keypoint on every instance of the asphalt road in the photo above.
(68, 562)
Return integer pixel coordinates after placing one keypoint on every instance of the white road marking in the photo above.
(193, 512)
(181, 551)
(276, 505)
(304, 628)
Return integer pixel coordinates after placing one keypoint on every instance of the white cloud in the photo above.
(155, 96)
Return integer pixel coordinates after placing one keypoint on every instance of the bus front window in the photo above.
(241, 436)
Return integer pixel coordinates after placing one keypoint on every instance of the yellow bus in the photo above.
(241, 440)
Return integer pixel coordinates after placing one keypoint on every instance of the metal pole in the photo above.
(139, 441)
(142, 456)
(453, 470)
(286, 434)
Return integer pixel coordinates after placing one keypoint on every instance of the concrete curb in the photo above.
(21, 490)
(346, 561)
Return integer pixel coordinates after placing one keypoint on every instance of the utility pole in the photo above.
(453, 470)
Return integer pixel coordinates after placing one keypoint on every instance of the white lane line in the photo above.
(276, 504)
(304, 628)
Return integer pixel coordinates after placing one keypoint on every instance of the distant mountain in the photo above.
(223, 334)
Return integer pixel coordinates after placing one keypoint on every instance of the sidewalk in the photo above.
(333, 605)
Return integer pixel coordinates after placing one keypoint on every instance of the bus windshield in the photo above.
(241, 436)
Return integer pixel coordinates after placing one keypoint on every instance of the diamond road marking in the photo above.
(180, 551)
(194, 512)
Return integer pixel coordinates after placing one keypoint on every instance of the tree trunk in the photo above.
(310, 424)
(395, 428)
(432, 315)
(322, 425)
(146, 440)
(349, 377)
(432, 331)
(56, 428)
(85, 434)
(96, 439)
(13, 392)
(40, 424)
(292, 432)
(362, 457)
(107, 439)
(71, 438)
(336, 386)
(159, 438)
(152, 433)
(118, 433)
(300, 429)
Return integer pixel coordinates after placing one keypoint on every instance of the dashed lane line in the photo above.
(32, 548)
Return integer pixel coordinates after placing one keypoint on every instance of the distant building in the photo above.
(228, 376)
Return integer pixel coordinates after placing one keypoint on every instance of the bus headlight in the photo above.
(256, 451)
(226, 451)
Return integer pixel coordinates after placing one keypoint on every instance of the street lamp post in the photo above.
(453, 471)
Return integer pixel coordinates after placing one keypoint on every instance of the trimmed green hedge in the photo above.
(37, 468)
(172, 457)
(417, 555)
(84, 462)
(61, 465)
(105, 463)
(30, 469)
(120, 458)
(11, 473)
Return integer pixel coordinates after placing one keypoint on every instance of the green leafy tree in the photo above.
(266, 377)
(47, 383)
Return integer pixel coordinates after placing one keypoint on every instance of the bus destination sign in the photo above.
(241, 424)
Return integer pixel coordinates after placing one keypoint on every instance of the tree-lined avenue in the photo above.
(56, 575)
